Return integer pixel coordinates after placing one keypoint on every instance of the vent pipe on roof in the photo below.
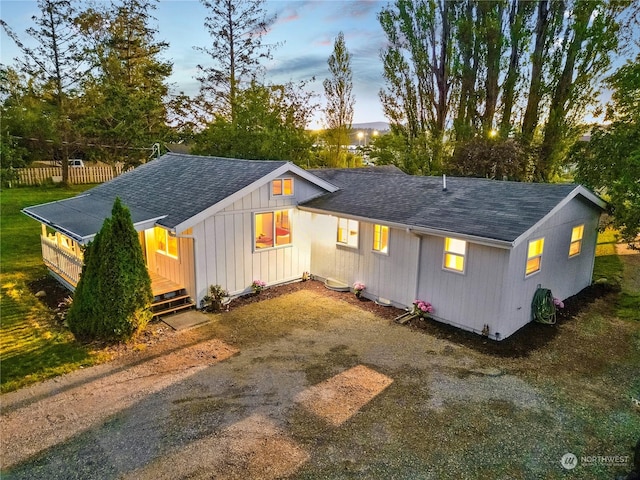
(444, 182)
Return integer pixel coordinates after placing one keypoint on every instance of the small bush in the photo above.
(216, 300)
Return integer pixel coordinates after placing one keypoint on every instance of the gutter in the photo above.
(60, 229)
(505, 244)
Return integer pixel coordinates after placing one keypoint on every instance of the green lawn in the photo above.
(32, 346)
(610, 266)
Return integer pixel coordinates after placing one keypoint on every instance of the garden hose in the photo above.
(543, 308)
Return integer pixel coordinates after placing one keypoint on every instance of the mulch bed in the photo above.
(529, 338)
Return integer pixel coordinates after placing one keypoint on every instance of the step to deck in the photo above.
(174, 309)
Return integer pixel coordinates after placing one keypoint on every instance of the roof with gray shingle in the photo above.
(169, 190)
(181, 186)
(497, 210)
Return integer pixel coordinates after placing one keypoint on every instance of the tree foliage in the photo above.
(57, 63)
(270, 125)
(24, 117)
(236, 28)
(113, 297)
(492, 158)
(125, 94)
(340, 100)
(610, 161)
(467, 69)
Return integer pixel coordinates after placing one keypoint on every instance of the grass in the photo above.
(610, 266)
(32, 346)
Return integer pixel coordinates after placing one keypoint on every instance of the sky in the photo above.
(304, 31)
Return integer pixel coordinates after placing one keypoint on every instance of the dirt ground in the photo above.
(331, 387)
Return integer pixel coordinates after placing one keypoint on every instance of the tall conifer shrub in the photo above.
(113, 298)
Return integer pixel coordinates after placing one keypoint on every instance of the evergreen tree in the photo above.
(56, 63)
(236, 28)
(113, 297)
(125, 95)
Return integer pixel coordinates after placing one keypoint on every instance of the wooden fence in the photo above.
(37, 176)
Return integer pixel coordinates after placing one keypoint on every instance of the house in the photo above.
(477, 249)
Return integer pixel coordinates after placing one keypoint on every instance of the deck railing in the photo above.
(61, 262)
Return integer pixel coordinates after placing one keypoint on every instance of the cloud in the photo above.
(299, 68)
(357, 9)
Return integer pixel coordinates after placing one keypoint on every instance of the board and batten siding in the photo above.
(563, 275)
(225, 242)
(180, 270)
(386, 276)
(467, 300)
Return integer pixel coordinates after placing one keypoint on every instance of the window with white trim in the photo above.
(348, 232)
(282, 187)
(455, 253)
(534, 256)
(165, 243)
(380, 238)
(272, 229)
(576, 240)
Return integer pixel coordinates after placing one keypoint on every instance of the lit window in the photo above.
(165, 243)
(454, 254)
(282, 187)
(576, 240)
(272, 229)
(381, 238)
(348, 232)
(534, 256)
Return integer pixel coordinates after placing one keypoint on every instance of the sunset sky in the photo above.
(305, 31)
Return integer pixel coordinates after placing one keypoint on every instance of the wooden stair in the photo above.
(171, 302)
(168, 297)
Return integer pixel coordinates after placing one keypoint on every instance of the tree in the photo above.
(26, 121)
(236, 28)
(417, 69)
(56, 62)
(610, 161)
(491, 158)
(113, 297)
(340, 100)
(125, 96)
(270, 124)
(589, 37)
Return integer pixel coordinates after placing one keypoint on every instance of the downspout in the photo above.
(418, 260)
(593, 257)
(195, 263)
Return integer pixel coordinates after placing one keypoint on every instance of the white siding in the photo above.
(225, 242)
(468, 300)
(564, 276)
(391, 277)
(180, 270)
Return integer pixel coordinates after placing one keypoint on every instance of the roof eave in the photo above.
(417, 230)
(224, 203)
(75, 236)
(579, 190)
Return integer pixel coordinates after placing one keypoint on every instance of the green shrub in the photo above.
(216, 300)
(113, 298)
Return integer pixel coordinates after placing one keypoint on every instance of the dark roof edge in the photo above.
(491, 242)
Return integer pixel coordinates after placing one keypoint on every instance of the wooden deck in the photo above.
(161, 285)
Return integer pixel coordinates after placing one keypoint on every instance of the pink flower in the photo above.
(423, 307)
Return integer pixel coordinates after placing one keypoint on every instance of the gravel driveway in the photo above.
(327, 391)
